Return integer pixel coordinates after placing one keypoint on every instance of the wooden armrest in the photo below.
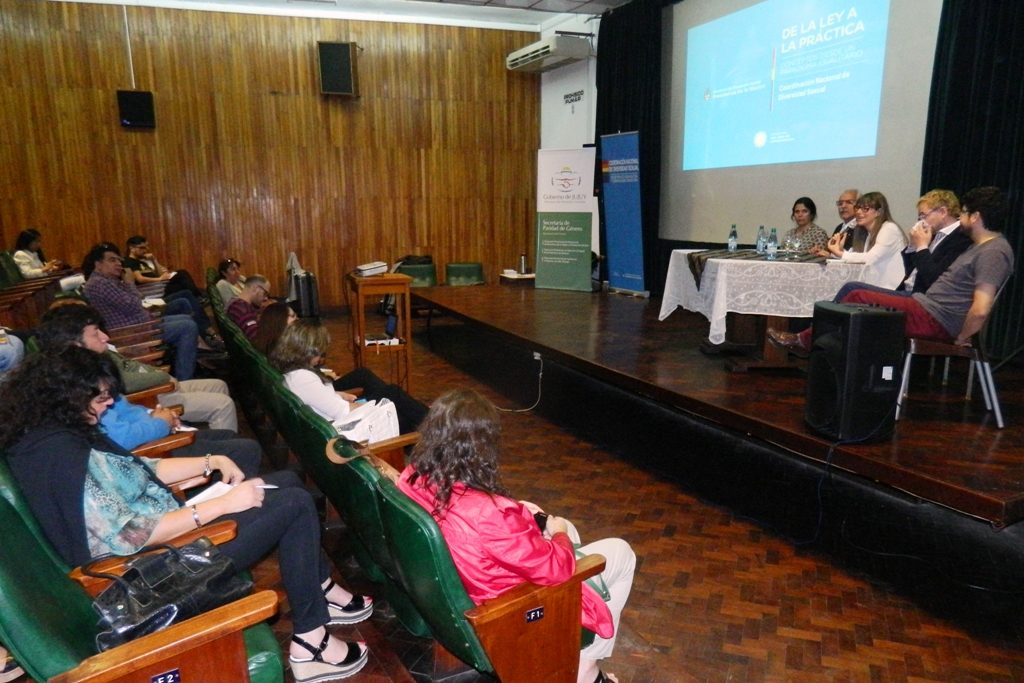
(209, 642)
(158, 448)
(179, 487)
(392, 451)
(510, 636)
(136, 350)
(147, 397)
(218, 532)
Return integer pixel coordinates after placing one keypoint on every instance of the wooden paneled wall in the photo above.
(248, 159)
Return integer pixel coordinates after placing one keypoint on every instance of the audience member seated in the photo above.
(936, 240)
(245, 308)
(92, 497)
(299, 355)
(28, 254)
(273, 320)
(812, 239)
(141, 267)
(12, 350)
(853, 235)
(119, 304)
(230, 283)
(883, 249)
(498, 543)
(203, 400)
(957, 304)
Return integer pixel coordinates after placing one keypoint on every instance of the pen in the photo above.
(268, 486)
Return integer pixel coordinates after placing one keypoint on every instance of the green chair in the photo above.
(530, 633)
(422, 274)
(464, 274)
(48, 624)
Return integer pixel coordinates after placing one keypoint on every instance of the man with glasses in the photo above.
(936, 240)
(120, 305)
(245, 308)
(855, 235)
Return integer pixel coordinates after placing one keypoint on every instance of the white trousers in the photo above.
(620, 564)
(204, 400)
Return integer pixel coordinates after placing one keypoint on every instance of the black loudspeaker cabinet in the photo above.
(854, 371)
(338, 75)
(135, 109)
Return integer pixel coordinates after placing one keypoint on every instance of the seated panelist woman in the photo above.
(883, 248)
(496, 542)
(805, 231)
(91, 498)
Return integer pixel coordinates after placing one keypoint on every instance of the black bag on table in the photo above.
(307, 298)
(162, 589)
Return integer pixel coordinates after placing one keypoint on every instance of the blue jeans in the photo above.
(287, 521)
(185, 303)
(180, 331)
(850, 286)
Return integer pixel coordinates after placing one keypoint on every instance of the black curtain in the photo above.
(975, 132)
(629, 98)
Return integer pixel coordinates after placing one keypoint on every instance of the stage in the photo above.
(945, 451)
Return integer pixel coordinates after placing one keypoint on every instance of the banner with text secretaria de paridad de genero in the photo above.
(565, 187)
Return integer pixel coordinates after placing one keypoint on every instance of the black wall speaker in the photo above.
(135, 108)
(338, 75)
(854, 371)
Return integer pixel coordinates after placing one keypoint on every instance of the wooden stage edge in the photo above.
(945, 450)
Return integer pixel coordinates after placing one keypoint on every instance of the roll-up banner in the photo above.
(565, 188)
(620, 184)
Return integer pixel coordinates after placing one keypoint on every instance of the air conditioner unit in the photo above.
(549, 53)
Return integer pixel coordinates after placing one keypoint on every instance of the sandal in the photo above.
(359, 608)
(315, 669)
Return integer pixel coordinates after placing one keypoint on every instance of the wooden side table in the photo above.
(373, 289)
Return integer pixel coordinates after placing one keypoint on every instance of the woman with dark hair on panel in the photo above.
(91, 497)
(805, 232)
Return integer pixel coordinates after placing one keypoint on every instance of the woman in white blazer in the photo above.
(883, 249)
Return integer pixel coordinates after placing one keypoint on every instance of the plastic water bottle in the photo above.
(762, 240)
(732, 238)
(773, 245)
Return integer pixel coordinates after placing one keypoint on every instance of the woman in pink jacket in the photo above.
(498, 543)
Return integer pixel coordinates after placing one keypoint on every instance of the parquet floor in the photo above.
(716, 597)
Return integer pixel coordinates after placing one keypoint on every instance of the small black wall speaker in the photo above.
(338, 75)
(854, 371)
(135, 107)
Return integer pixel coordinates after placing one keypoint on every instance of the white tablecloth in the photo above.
(782, 288)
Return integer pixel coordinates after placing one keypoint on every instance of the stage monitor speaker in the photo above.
(338, 75)
(854, 371)
(135, 107)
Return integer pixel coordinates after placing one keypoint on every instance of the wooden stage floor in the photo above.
(945, 450)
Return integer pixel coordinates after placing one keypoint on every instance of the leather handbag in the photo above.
(160, 589)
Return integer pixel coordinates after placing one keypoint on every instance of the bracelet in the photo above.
(195, 517)
(206, 467)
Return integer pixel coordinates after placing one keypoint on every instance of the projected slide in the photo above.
(785, 81)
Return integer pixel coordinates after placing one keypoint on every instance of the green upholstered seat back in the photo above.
(462, 274)
(11, 274)
(427, 573)
(46, 619)
(422, 274)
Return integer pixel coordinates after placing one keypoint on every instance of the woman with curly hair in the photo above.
(498, 543)
(91, 497)
(299, 355)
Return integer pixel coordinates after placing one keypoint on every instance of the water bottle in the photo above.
(522, 264)
(773, 245)
(761, 240)
(732, 238)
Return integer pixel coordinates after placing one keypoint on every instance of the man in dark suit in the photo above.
(855, 235)
(935, 240)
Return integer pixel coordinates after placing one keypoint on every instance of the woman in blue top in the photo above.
(91, 497)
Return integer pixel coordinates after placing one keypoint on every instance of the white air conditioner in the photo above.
(549, 53)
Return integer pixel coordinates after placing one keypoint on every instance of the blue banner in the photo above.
(620, 182)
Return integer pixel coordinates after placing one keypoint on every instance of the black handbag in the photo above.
(160, 589)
